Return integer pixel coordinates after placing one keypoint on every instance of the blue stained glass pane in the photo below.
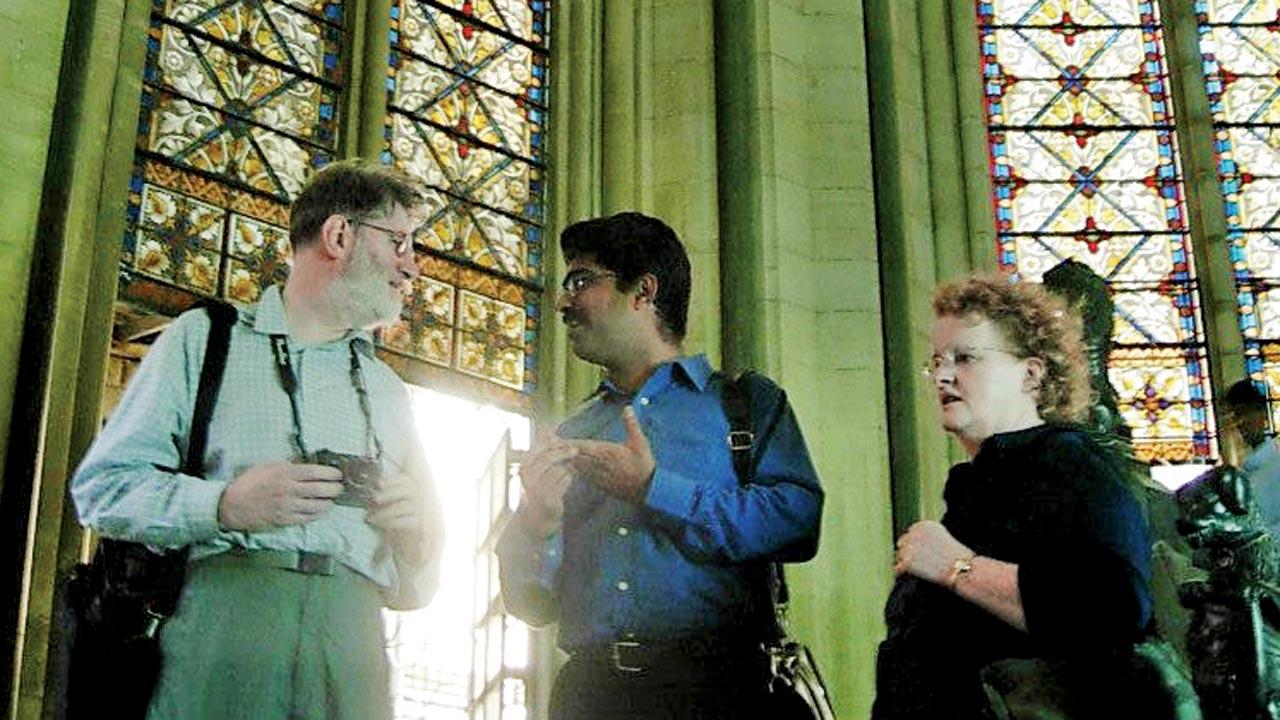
(1240, 66)
(1083, 166)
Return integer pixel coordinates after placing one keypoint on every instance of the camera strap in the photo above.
(289, 380)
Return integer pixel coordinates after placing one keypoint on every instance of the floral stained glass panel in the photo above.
(239, 106)
(466, 114)
(1240, 50)
(1084, 166)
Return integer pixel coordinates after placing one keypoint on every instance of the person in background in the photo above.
(1246, 411)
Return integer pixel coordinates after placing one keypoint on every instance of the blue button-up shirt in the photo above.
(691, 558)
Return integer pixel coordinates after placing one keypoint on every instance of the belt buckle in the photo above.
(310, 563)
(620, 664)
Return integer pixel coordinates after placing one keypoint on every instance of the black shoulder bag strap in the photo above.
(169, 569)
(744, 410)
(116, 604)
(222, 316)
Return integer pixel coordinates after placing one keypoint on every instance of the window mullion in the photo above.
(367, 108)
(1204, 201)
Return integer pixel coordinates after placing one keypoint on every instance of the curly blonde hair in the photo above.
(1039, 324)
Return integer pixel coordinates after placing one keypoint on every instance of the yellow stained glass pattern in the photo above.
(239, 106)
(466, 98)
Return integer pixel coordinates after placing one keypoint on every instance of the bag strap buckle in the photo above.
(617, 654)
(151, 623)
(740, 440)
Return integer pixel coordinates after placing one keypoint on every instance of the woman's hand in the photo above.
(928, 551)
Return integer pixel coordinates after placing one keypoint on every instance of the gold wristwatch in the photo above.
(960, 566)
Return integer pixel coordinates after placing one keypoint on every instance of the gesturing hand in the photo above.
(271, 495)
(545, 477)
(398, 507)
(927, 550)
(623, 469)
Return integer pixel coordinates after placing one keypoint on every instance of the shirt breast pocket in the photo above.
(699, 453)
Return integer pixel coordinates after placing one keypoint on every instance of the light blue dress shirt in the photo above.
(1263, 468)
(129, 485)
(689, 560)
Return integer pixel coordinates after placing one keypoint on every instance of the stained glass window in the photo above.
(1240, 47)
(239, 105)
(1084, 165)
(466, 98)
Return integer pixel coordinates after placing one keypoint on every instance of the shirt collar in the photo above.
(693, 370)
(1016, 440)
(1260, 456)
(268, 319)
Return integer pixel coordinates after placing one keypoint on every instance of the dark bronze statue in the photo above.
(1232, 643)
(1087, 293)
(1234, 639)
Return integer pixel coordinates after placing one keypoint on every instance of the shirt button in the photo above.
(644, 401)
(623, 585)
(623, 531)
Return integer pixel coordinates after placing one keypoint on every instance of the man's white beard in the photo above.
(362, 294)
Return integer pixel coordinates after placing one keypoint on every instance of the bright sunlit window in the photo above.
(1173, 477)
(431, 649)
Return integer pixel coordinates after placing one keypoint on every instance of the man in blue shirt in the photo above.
(1247, 408)
(634, 532)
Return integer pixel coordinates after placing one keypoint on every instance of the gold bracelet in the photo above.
(960, 566)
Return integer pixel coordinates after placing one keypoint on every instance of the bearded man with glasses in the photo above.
(315, 506)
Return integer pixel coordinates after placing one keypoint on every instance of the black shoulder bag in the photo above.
(796, 690)
(116, 603)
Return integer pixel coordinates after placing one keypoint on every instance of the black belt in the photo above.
(631, 656)
(300, 561)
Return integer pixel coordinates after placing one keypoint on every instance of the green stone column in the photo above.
(368, 41)
(970, 131)
(34, 34)
(574, 191)
(68, 311)
(800, 271)
(658, 136)
(1206, 209)
(909, 258)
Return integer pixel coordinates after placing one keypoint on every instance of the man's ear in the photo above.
(646, 289)
(336, 236)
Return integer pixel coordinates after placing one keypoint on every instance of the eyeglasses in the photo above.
(960, 359)
(402, 239)
(579, 280)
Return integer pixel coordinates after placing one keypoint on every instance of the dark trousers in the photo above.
(728, 683)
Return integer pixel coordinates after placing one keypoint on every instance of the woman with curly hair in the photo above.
(1044, 549)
